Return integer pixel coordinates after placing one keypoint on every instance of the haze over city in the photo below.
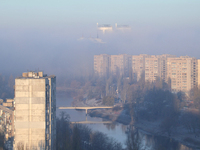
(45, 34)
(131, 67)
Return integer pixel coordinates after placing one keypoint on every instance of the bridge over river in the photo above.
(86, 108)
(91, 122)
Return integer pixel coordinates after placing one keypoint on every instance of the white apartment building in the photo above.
(35, 111)
(102, 65)
(183, 72)
(138, 65)
(120, 65)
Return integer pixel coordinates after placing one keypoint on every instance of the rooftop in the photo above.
(34, 75)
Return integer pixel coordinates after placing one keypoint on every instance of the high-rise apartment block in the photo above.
(120, 65)
(35, 111)
(198, 62)
(138, 65)
(181, 71)
(102, 65)
(152, 68)
(163, 65)
(156, 67)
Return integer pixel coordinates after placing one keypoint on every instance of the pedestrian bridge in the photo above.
(86, 107)
(91, 122)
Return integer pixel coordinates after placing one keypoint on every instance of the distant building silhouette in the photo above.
(138, 65)
(102, 65)
(182, 71)
(120, 64)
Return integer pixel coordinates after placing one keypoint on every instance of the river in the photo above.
(117, 131)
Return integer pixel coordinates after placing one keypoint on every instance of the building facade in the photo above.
(198, 62)
(183, 73)
(152, 68)
(138, 66)
(120, 65)
(163, 65)
(7, 125)
(35, 111)
(102, 65)
(156, 67)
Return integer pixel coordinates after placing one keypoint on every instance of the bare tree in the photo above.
(1, 140)
(133, 141)
(76, 139)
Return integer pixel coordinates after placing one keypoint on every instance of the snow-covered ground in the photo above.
(93, 102)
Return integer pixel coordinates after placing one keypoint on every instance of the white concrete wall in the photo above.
(30, 111)
(198, 72)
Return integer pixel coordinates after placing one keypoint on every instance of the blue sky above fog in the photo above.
(43, 34)
(74, 12)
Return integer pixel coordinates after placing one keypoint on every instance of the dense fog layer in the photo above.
(61, 38)
(64, 52)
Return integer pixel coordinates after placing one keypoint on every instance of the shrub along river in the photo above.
(117, 130)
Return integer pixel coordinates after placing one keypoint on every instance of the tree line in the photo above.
(6, 86)
(81, 137)
(150, 101)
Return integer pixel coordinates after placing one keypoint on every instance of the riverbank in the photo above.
(180, 135)
(112, 116)
(153, 128)
(119, 116)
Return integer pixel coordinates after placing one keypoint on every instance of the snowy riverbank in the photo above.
(153, 128)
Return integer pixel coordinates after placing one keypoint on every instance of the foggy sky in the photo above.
(44, 34)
